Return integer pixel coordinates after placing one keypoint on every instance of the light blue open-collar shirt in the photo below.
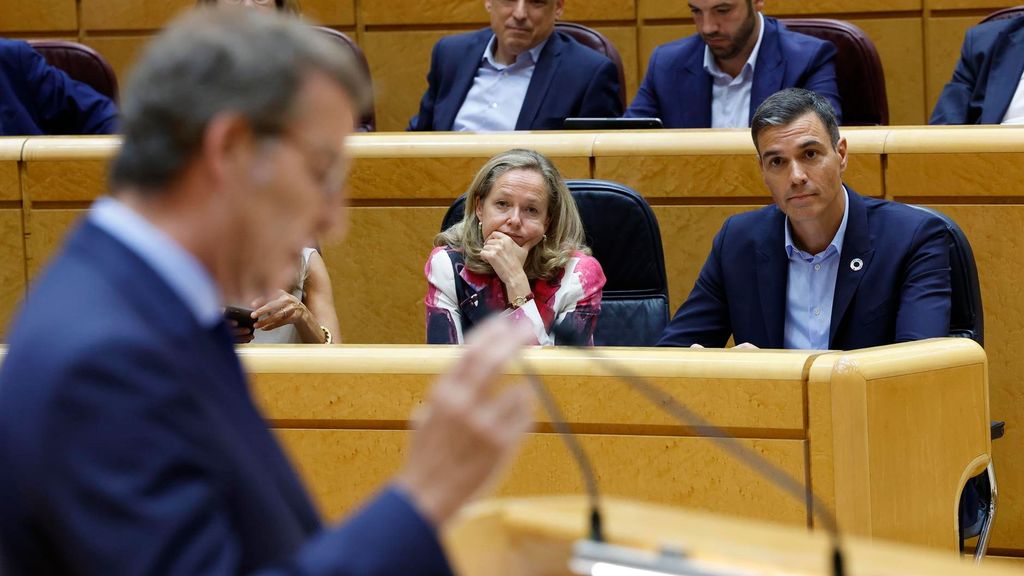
(730, 97)
(810, 289)
(496, 97)
(179, 269)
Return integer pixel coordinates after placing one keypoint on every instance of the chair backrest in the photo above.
(81, 63)
(596, 41)
(623, 235)
(966, 315)
(368, 123)
(858, 69)
(1004, 14)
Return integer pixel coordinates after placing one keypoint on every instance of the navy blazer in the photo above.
(130, 444)
(36, 98)
(901, 293)
(678, 90)
(986, 77)
(570, 80)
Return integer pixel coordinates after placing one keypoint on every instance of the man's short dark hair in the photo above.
(785, 106)
(214, 61)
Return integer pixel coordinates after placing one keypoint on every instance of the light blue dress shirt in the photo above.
(496, 97)
(730, 97)
(185, 275)
(810, 289)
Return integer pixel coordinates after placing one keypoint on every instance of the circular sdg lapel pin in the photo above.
(856, 264)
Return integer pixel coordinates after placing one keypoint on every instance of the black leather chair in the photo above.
(1004, 14)
(623, 235)
(368, 123)
(858, 69)
(967, 320)
(596, 41)
(81, 63)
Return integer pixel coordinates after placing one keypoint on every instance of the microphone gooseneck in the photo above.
(565, 335)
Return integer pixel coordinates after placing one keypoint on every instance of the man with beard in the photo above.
(718, 77)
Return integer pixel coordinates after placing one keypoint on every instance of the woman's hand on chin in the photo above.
(507, 258)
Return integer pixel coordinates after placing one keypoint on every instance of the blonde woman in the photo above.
(519, 250)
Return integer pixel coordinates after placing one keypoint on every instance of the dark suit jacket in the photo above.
(36, 98)
(991, 63)
(570, 80)
(901, 293)
(678, 90)
(130, 444)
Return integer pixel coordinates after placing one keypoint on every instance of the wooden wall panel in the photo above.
(10, 182)
(408, 12)
(625, 40)
(652, 468)
(330, 12)
(12, 266)
(659, 9)
(65, 180)
(900, 45)
(653, 36)
(955, 175)
(399, 62)
(120, 51)
(994, 233)
(38, 16)
(46, 232)
(992, 5)
(943, 39)
(130, 14)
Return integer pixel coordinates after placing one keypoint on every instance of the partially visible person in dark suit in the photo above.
(718, 77)
(519, 74)
(988, 83)
(129, 439)
(36, 98)
(822, 268)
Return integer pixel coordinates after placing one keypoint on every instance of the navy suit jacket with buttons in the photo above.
(985, 79)
(570, 80)
(130, 444)
(678, 90)
(901, 293)
(36, 98)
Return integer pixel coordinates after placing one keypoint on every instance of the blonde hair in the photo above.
(564, 234)
(286, 6)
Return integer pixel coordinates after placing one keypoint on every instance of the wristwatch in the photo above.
(327, 335)
(520, 301)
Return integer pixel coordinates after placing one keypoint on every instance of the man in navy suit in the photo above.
(36, 98)
(987, 86)
(129, 441)
(519, 74)
(822, 268)
(718, 77)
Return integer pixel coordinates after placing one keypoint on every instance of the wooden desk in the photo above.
(840, 421)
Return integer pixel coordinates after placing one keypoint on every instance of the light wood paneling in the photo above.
(12, 266)
(992, 5)
(330, 12)
(625, 41)
(10, 181)
(653, 36)
(943, 39)
(38, 16)
(46, 232)
(120, 51)
(651, 468)
(377, 273)
(65, 180)
(659, 9)
(130, 14)
(955, 175)
(399, 62)
(994, 233)
(391, 12)
(900, 45)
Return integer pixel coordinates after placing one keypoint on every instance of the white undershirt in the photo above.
(1015, 113)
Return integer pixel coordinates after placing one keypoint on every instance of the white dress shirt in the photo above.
(730, 97)
(496, 97)
(1015, 113)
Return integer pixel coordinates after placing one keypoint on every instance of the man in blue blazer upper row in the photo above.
(823, 268)
(36, 98)
(522, 74)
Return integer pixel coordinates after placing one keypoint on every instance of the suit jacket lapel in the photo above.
(695, 91)
(1003, 76)
(767, 80)
(772, 277)
(856, 244)
(543, 74)
(465, 73)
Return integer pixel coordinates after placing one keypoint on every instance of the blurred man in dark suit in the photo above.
(36, 98)
(988, 83)
(519, 74)
(129, 440)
